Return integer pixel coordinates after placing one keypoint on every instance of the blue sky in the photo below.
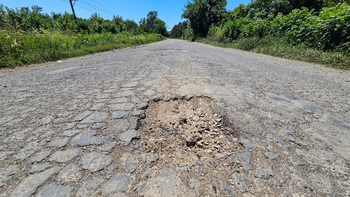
(168, 10)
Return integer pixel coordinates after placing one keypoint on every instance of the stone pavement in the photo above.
(73, 128)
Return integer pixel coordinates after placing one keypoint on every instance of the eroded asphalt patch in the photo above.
(167, 124)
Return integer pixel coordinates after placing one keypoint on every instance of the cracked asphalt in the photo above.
(72, 128)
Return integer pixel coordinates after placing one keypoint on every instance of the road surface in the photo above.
(175, 118)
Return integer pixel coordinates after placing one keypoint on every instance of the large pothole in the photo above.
(187, 128)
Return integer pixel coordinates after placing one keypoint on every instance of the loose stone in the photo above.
(142, 106)
(127, 136)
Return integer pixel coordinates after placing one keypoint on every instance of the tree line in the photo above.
(29, 19)
(320, 24)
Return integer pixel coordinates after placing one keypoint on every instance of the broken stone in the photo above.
(134, 123)
(139, 113)
(143, 106)
(127, 136)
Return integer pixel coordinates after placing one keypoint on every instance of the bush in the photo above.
(326, 30)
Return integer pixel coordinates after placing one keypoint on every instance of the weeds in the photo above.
(280, 47)
(24, 48)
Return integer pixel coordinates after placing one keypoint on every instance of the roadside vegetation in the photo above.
(28, 36)
(308, 30)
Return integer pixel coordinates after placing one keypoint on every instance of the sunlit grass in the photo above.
(24, 48)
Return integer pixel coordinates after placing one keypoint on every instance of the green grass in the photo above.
(279, 47)
(25, 48)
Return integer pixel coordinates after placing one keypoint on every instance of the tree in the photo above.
(266, 8)
(131, 26)
(310, 4)
(177, 30)
(119, 22)
(37, 9)
(148, 24)
(160, 27)
(204, 13)
(151, 17)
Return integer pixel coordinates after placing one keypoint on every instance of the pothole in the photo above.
(186, 128)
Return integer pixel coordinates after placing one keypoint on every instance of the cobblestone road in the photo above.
(71, 128)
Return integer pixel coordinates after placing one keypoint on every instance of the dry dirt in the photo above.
(190, 130)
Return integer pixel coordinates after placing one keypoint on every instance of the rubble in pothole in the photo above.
(180, 126)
